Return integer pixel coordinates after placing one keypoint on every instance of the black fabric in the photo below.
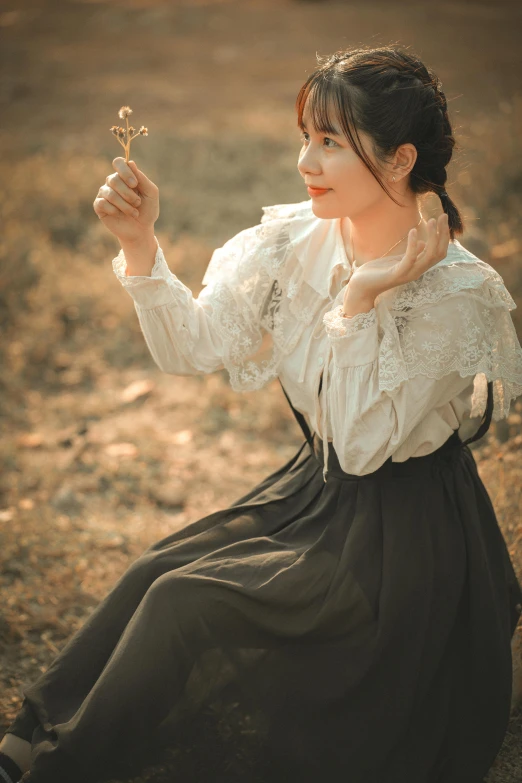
(356, 630)
(300, 418)
(486, 421)
(8, 766)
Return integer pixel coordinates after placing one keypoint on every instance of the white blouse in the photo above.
(396, 380)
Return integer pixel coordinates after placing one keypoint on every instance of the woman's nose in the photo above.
(308, 163)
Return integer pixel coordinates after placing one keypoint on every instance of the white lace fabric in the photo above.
(274, 282)
(338, 325)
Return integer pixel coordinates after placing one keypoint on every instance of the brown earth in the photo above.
(102, 454)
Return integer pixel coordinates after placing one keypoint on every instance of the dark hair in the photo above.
(390, 95)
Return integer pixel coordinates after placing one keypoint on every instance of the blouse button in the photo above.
(320, 360)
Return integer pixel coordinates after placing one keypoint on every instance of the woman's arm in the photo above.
(176, 326)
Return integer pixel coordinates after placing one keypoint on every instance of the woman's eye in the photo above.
(305, 138)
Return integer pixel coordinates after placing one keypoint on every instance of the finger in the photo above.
(104, 209)
(115, 182)
(429, 255)
(114, 198)
(438, 251)
(138, 173)
(145, 186)
(444, 235)
(125, 171)
(412, 250)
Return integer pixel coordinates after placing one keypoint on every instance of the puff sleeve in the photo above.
(393, 366)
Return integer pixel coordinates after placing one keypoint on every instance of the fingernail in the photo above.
(132, 181)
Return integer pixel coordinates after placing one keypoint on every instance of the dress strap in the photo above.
(483, 428)
(300, 420)
(486, 421)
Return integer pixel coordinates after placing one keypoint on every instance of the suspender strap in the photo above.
(300, 420)
(486, 421)
(483, 428)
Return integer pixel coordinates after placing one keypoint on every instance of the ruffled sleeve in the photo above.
(421, 346)
(176, 327)
(362, 345)
(244, 319)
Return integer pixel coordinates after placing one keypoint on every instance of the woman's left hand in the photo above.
(375, 277)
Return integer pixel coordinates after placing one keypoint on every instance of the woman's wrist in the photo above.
(140, 255)
(355, 302)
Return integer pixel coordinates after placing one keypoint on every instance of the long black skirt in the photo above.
(355, 629)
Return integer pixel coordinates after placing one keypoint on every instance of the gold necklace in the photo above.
(354, 262)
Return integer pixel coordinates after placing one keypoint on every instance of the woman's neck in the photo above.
(374, 232)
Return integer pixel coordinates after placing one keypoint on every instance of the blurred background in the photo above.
(101, 453)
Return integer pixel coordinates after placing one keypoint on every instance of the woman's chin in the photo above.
(323, 210)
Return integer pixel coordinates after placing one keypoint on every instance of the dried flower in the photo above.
(125, 136)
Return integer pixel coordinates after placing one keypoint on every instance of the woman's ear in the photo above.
(403, 161)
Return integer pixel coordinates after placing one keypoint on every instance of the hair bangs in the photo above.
(319, 94)
(329, 107)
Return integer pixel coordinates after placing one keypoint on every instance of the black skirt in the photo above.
(357, 629)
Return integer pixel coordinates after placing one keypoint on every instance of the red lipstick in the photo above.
(314, 192)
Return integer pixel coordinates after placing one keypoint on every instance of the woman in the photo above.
(359, 603)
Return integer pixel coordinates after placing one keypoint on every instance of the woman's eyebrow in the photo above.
(332, 132)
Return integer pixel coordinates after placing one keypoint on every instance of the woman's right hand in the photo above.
(128, 210)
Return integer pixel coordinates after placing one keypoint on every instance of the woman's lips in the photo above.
(317, 191)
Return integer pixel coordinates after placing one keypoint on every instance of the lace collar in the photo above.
(319, 246)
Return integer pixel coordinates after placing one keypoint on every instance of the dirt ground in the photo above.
(101, 453)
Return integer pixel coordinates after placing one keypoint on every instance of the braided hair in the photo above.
(389, 94)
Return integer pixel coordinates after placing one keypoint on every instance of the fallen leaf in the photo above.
(121, 450)
(137, 389)
(30, 440)
(6, 514)
(182, 436)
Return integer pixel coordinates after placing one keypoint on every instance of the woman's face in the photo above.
(328, 161)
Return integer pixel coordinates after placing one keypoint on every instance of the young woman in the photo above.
(358, 604)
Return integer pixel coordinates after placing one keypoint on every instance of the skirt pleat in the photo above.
(356, 629)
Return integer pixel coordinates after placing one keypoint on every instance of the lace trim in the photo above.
(475, 337)
(159, 269)
(255, 287)
(450, 276)
(338, 326)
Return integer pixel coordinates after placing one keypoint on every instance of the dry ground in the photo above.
(101, 453)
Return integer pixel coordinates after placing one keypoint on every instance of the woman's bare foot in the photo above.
(18, 749)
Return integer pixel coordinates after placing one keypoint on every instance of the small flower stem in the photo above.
(127, 146)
